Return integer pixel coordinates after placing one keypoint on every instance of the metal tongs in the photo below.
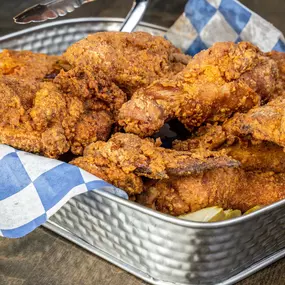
(52, 9)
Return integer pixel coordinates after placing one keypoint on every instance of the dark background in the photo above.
(160, 12)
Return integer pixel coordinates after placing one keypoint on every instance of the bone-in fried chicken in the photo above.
(216, 83)
(20, 77)
(253, 155)
(227, 188)
(34, 106)
(262, 123)
(131, 60)
(130, 154)
(91, 83)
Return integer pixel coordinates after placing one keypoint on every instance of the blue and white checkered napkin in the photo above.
(32, 188)
(205, 22)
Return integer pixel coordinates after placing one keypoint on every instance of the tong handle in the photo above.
(134, 16)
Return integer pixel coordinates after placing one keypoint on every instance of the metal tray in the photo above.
(157, 248)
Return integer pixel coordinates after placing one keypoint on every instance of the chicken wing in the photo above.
(144, 158)
(131, 60)
(216, 83)
(239, 190)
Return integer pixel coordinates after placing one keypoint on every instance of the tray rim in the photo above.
(77, 20)
(128, 203)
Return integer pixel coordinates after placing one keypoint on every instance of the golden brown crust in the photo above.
(138, 157)
(131, 60)
(93, 84)
(216, 83)
(110, 172)
(227, 188)
(262, 123)
(33, 103)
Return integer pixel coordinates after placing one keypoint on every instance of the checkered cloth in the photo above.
(205, 22)
(32, 188)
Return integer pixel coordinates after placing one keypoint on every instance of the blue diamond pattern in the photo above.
(196, 46)
(280, 46)
(235, 14)
(24, 229)
(53, 185)
(199, 12)
(13, 174)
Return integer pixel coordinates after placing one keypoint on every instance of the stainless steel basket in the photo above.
(155, 247)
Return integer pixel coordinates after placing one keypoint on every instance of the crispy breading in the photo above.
(143, 157)
(216, 83)
(110, 172)
(33, 102)
(131, 60)
(92, 83)
(262, 123)
(279, 58)
(227, 188)
(252, 154)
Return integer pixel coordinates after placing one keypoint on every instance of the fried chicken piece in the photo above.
(257, 155)
(20, 75)
(208, 137)
(131, 60)
(92, 83)
(143, 157)
(264, 123)
(239, 190)
(34, 102)
(23, 71)
(80, 124)
(110, 172)
(216, 83)
(56, 122)
(252, 154)
(279, 58)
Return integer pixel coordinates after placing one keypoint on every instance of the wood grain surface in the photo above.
(42, 257)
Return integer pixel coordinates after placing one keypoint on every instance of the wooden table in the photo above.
(43, 258)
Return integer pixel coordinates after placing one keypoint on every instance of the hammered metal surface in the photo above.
(164, 248)
(55, 37)
(170, 252)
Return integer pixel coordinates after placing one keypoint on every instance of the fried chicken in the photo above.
(93, 86)
(38, 116)
(131, 60)
(279, 58)
(216, 83)
(130, 154)
(252, 154)
(264, 123)
(21, 74)
(228, 188)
